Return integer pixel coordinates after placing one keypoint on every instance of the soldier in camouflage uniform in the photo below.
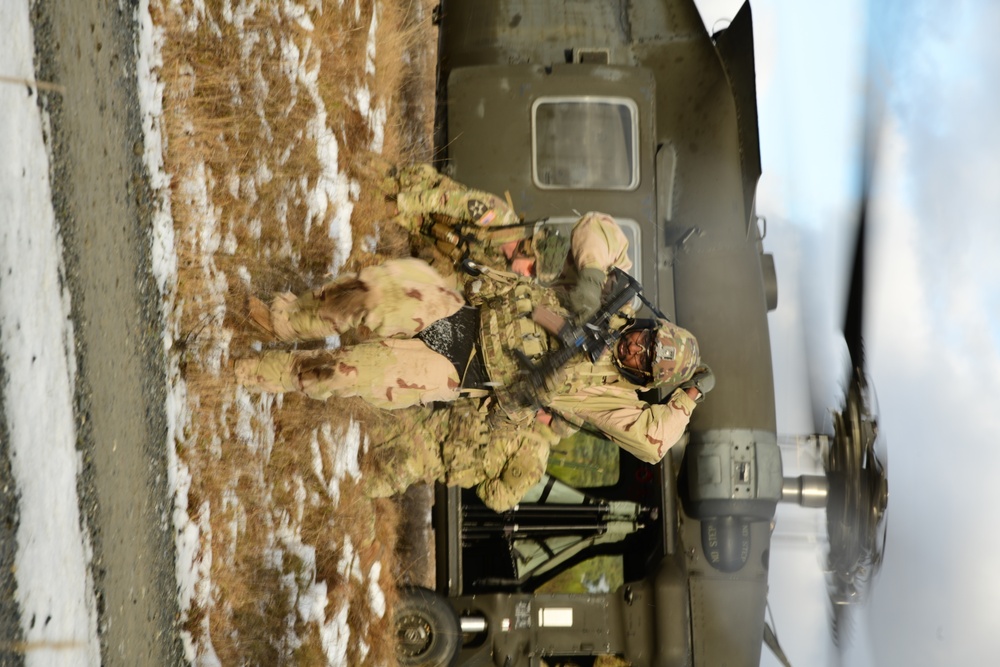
(468, 445)
(393, 302)
(400, 298)
(423, 196)
(456, 220)
(461, 445)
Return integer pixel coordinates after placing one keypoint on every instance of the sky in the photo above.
(932, 318)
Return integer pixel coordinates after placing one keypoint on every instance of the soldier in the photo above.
(467, 445)
(402, 299)
(463, 445)
(399, 299)
(422, 197)
(432, 207)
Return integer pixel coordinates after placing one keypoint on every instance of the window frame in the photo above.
(627, 102)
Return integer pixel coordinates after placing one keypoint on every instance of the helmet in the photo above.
(675, 356)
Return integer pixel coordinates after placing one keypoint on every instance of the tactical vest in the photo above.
(505, 325)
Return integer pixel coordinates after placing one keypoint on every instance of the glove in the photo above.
(585, 298)
(703, 380)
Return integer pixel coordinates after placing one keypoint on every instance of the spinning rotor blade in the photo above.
(854, 317)
(856, 463)
(819, 339)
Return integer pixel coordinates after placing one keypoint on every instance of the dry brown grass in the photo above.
(238, 124)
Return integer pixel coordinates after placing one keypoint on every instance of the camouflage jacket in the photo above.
(584, 394)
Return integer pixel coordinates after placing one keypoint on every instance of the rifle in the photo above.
(591, 337)
(455, 238)
(453, 241)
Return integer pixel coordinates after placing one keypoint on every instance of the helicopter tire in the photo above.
(427, 629)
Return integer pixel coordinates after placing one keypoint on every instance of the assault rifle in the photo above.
(591, 337)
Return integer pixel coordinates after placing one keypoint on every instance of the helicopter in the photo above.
(634, 109)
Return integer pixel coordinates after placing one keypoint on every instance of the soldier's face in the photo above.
(635, 350)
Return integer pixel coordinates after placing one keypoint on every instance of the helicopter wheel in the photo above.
(427, 629)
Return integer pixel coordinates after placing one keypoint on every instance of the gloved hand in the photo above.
(703, 380)
(585, 297)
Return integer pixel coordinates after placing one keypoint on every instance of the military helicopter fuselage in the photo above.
(631, 108)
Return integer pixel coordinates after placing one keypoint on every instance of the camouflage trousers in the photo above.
(467, 442)
(394, 301)
(462, 444)
(389, 374)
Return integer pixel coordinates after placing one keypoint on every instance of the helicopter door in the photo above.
(553, 527)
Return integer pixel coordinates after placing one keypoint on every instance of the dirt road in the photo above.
(101, 202)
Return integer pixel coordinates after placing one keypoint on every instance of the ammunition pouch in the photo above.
(507, 331)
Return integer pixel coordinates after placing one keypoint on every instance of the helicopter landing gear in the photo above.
(427, 629)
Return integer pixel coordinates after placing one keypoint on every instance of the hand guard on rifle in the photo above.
(703, 380)
(585, 297)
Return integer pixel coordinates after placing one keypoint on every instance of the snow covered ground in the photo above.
(329, 202)
(54, 588)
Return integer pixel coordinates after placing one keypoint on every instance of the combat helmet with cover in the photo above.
(674, 357)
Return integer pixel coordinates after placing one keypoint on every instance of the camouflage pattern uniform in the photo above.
(393, 301)
(423, 197)
(586, 394)
(398, 299)
(461, 445)
(421, 192)
(455, 220)
(596, 395)
(402, 297)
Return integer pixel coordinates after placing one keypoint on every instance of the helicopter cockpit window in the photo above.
(585, 143)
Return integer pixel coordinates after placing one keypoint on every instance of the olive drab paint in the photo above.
(632, 109)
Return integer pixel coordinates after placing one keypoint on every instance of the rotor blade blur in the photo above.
(819, 295)
(871, 123)
(856, 525)
(853, 320)
(771, 641)
(854, 316)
